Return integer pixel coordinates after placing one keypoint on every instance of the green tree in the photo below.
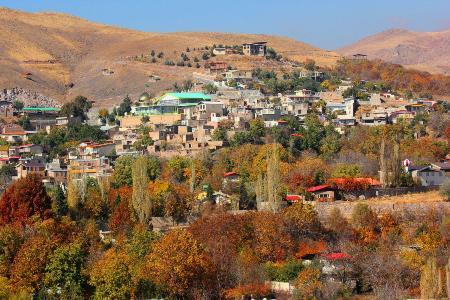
(210, 88)
(64, 274)
(76, 108)
(123, 170)
(18, 105)
(125, 106)
(59, 202)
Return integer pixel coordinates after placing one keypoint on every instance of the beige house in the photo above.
(256, 49)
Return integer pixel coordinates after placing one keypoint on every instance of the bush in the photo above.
(445, 190)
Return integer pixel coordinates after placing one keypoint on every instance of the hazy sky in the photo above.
(324, 23)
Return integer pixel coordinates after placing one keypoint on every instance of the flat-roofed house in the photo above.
(13, 133)
(256, 49)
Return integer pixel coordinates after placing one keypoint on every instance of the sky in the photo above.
(327, 24)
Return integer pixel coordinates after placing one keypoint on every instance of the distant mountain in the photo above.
(428, 51)
(62, 56)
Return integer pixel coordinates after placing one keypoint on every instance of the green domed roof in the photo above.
(144, 97)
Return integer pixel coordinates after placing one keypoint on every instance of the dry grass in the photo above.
(427, 51)
(84, 48)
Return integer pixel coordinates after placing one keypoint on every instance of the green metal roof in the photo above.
(190, 96)
(40, 109)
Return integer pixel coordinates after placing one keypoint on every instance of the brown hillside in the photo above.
(62, 56)
(427, 51)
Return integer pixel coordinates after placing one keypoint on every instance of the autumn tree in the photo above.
(111, 276)
(180, 263)
(308, 283)
(26, 197)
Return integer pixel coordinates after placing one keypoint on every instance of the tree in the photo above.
(26, 197)
(445, 190)
(140, 200)
(76, 108)
(177, 203)
(103, 113)
(18, 105)
(11, 239)
(210, 88)
(111, 276)
(346, 171)
(179, 262)
(123, 171)
(125, 106)
(310, 65)
(64, 272)
(59, 201)
(27, 271)
(177, 166)
(308, 283)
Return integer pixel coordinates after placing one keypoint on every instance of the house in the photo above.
(26, 150)
(206, 110)
(4, 151)
(293, 198)
(345, 107)
(401, 115)
(240, 76)
(41, 117)
(442, 166)
(374, 118)
(56, 171)
(13, 133)
(323, 193)
(219, 51)
(255, 49)
(25, 168)
(427, 175)
(230, 178)
(94, 168)
(89, 150)
(216, 68)
(170, 104)
(303, 95)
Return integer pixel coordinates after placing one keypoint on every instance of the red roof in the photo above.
(318, 188)
(14, 157)
(297, 135)
(293, 198)
(230, 174)
(337, 256)
(362, 180)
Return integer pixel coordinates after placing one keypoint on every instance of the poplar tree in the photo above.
(140, 201)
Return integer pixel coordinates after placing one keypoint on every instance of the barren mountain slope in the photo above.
(62, 56)
(429, 51)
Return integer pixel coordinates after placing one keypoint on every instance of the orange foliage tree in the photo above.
(25, 198)
(178, 262)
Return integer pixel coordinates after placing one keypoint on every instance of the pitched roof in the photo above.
(445, 166)
(230, 174)
(318, 188)
(337, 256)
(363, 180)
(293, 198)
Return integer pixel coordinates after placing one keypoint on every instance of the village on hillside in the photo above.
(288, 180)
